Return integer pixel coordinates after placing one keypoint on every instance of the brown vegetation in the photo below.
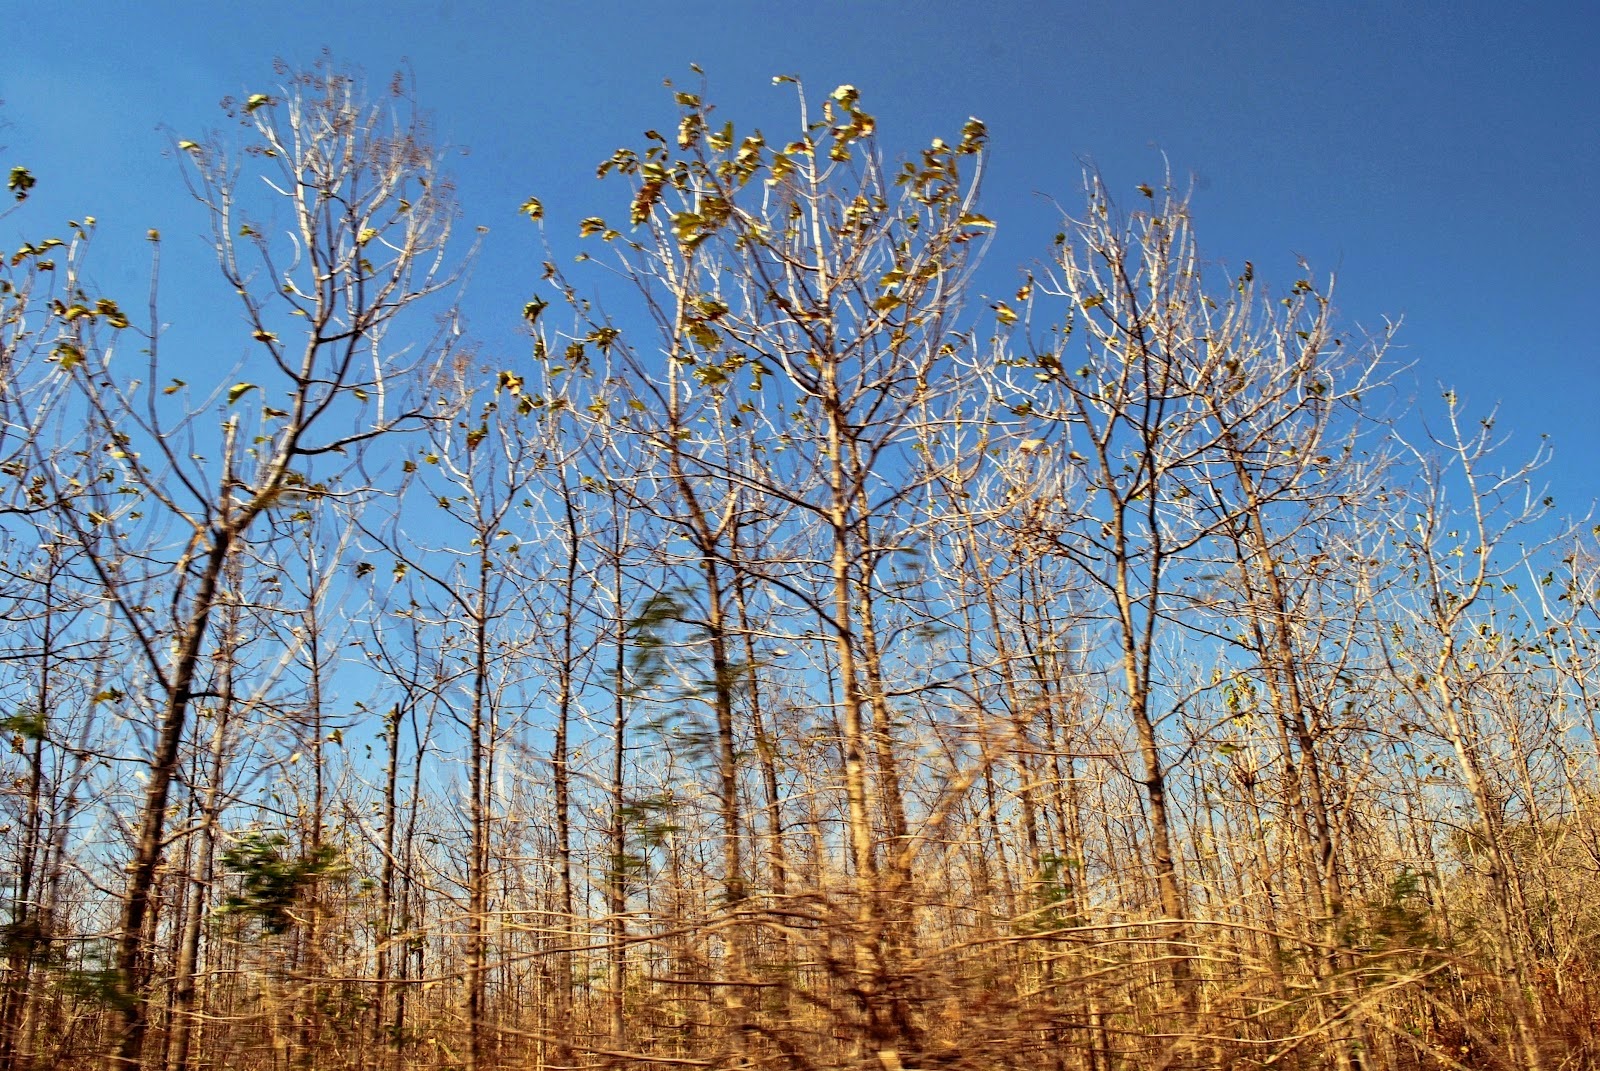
(817, 665)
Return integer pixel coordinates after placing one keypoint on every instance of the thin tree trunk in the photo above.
(184, 993)
(478, 818)
(133, 1000)
(617, 870)
(562, 776)
(383, 1038)
(766, 746)
(28, 923)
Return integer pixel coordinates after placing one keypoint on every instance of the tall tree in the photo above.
(370, 216)
(810, 289)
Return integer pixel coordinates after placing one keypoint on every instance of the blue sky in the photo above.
(1443, 159)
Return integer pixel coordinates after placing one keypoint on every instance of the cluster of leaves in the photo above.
(1054, 896)
(24, 725)
(95, 979)
(272, 882)
(21, 182)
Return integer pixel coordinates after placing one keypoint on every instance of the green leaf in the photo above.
(238, 390)
(711, 308)
(113, 315)
(20, 182)
(687, 226)
(28, 725)
(705, 336)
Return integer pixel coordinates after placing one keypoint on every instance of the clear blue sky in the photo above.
(1443, 158)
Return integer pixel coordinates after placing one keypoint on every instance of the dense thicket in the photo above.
(806, 664)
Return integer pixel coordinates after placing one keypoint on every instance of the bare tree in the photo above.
(801, 662)
(1458, 556)
(358, 189)
(831, 282)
